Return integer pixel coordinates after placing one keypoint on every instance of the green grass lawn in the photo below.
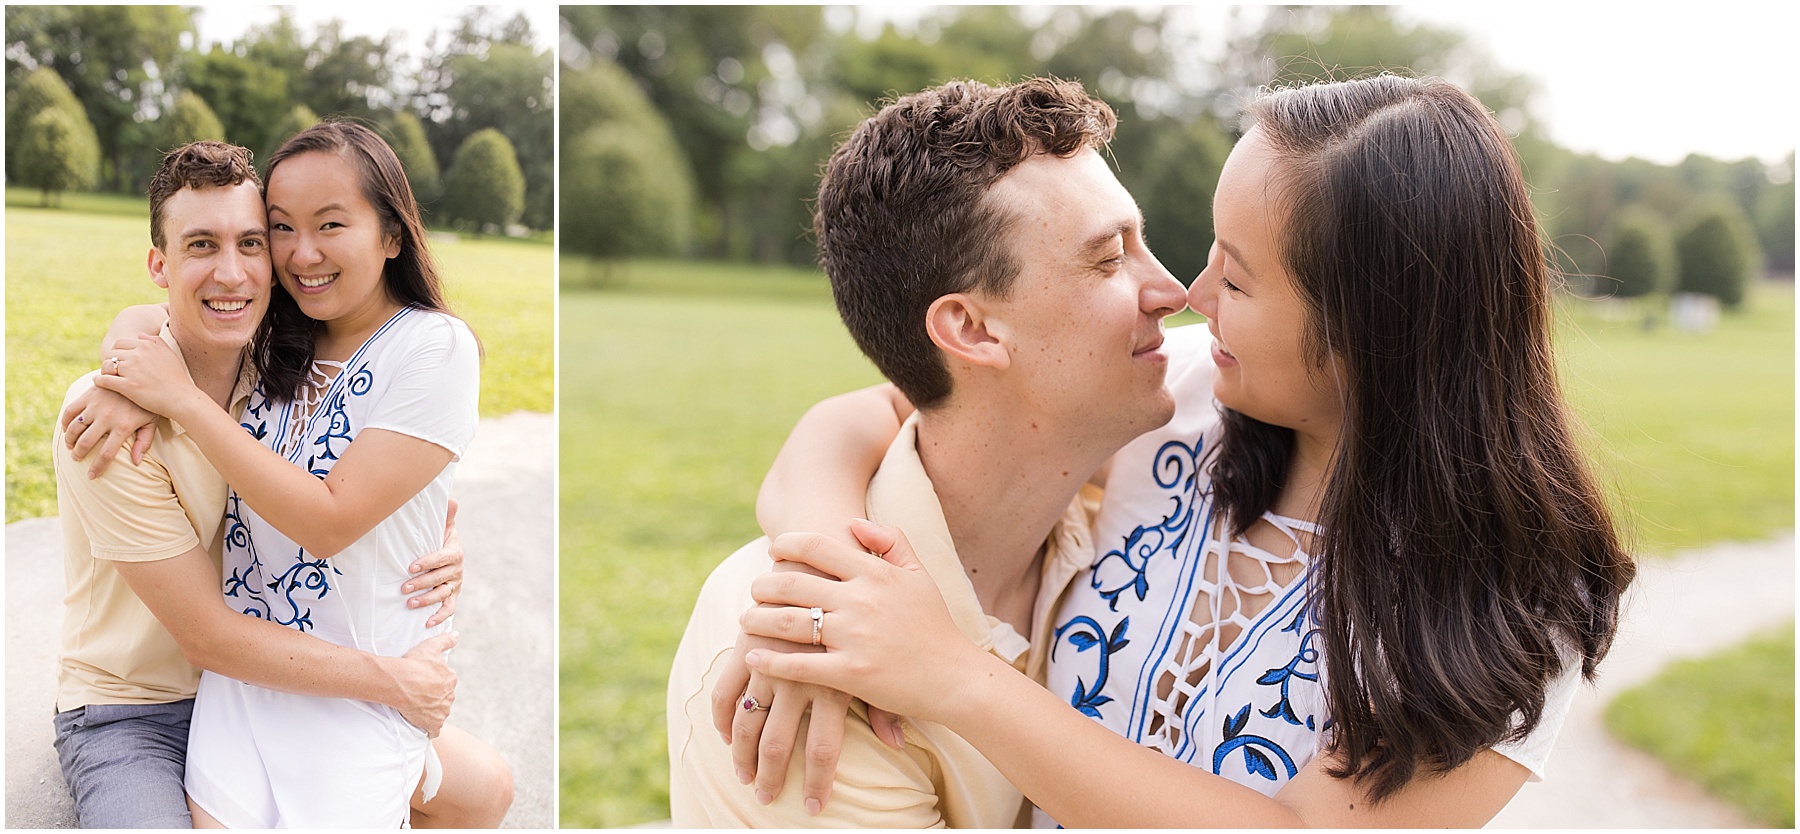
(673, 404)
(680, 380)
(1694, 432)
(68, 271)
(1726, 722)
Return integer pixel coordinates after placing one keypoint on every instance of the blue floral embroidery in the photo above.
(1089, 700)
(242, 584)
(1255, 761)
(305, 579)
(338, 431)
(1175, 467)
(247, 587)
(1307, 656)
(304, 575)
(256, 418)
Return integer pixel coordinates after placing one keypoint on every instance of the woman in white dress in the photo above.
(1356, 579)
(341, 473)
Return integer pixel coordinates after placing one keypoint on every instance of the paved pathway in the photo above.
(505, 659)
(1680, 608)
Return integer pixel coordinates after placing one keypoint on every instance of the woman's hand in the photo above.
(889, 638)
(439, 573)
(153, 376)
(104, 420)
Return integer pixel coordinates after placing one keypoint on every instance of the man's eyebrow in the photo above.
(1103, 239)
(1238, 257)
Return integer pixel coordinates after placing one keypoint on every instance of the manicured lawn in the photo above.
(1694, 432)
(680, 380)
(68, 272)
(1726, 722)
(673, 404)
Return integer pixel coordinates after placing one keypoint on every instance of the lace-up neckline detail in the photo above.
(313, 391)
(1236, 581)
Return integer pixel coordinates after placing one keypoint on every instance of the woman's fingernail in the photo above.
(813, 807)
(744, 776)
(764, 797)
(726, 737)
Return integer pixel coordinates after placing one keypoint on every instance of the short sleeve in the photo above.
(1533, 751)
(433, 385)
(131, 512)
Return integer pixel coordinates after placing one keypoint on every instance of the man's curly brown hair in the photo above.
(196, 165)
(902, 218)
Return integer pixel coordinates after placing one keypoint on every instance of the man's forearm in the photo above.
(262, 653)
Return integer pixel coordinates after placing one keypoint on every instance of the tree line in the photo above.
(700, 130)
(95, 94)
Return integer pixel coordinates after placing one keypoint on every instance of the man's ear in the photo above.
(159, 267)
(962, 327)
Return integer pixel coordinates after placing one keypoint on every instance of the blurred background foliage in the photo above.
(755, 97)
(133, 83)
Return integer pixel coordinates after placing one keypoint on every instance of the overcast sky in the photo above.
(1654, 81)
(1617, 79)
(412, 20)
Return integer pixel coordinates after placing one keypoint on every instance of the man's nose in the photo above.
(1163, 295)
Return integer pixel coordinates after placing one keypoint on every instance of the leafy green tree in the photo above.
(248, 96)
(330, 73)
(1716, 252)
(1775, 222)
(484, 186)
(507, 88)
(347, 75)
(40, 89)
(625, 185)
(114, 59)
(57, 152)
(298, 118)
(407, 137)
(620, 195)
(190, 120)
(1642, 256)
(732, 81)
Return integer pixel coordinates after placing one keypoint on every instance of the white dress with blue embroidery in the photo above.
(258, 758)
(1219, 668)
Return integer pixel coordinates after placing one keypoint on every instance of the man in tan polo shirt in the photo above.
(984, 256)
(142, 542)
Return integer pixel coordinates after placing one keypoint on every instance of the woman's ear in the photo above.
(391, 244)
(964, 329)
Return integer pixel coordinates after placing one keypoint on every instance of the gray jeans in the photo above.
(124, 763)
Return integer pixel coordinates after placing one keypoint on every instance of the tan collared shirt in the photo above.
(113, 649)
(938, 780)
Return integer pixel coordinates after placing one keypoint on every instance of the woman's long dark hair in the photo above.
(1462, 540)
(283, 346)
